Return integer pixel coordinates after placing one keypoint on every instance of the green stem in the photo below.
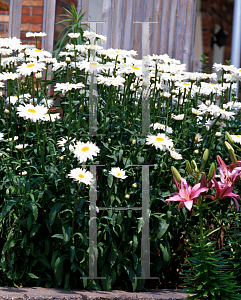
(72, 229)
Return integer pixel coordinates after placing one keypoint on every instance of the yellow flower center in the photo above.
(195, 139)
(111, 78)
(30, 65)
(38, 50)
(238, 136)
(159, 139)
(81, 176)
(117, 51)
(118, 174)
(67, 84)
(32, 111)
(135, 68)
(86, 148)
(94, 64)
(185, 83)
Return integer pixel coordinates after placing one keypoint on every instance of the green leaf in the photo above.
(113, 255)
(131, 275)
(106, 283)
(55, 209)
(35, 230)
(110, 180)
(72, 253)
(135, 243)
(44, 260)
(8, 206)
(33, 276)
(66, 233)
(58, 236)
(58, 269)
(34, 209)
(163, 226)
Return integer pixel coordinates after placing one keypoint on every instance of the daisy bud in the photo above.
(134, 185)
(205, 155)
(1, 154)
(109, 140)
(176, 174)
(211, 171)
(127, 196)
(28, 163)
(81, 106)
(194, 166)
(116, 117)
(84, 118)
(218, 134)
(61, 158)
(67, 59)
(228, 146)
(233, 157)
(6, 111)
(104, 171)
(188, 167)
(196, 151)
(229, 138)
(133, 142)
(8, 150)
(38, 75)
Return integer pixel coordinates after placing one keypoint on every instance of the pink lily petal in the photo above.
(188, 204)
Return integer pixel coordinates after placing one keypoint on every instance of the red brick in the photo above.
(3, 34)
(24, 27)
(33, 2)
(37, 11)
(4, 18)
(36, 27)
(26, 11)
(3, 12)
(32, 19)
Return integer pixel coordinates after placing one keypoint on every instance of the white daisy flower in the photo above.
(51, 117)
(116, 81)
(161, 127)
(20, 146)
(65, 87)
(74, 35)
(23, 173)
(218, 134)
(83, 151)
(178, 117)
(31, 112)
(1, 136)
(35, 34)
(27, 69)
(8, 76)
(81, 175)
(236, 138)
(160, 141)
(63, 141)
(118, 173)
(198, 138)
(175, 155)
(15, 138)
(196, 112)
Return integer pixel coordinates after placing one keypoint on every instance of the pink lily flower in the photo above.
(228, 177)
(224, 191)
(187, 194)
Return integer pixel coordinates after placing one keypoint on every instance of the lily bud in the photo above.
(221, 162)
(211, 171)
(194, 166)
(233, 157)
(230, 140)
(228, 146)
(205, 155)
(176, 174)
(203, 182)
(188, 167)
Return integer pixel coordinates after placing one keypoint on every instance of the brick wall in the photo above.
(32, 20)
(4, 19)
(216, 12)
(60, 5)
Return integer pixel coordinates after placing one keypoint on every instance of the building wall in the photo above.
(216, 13)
